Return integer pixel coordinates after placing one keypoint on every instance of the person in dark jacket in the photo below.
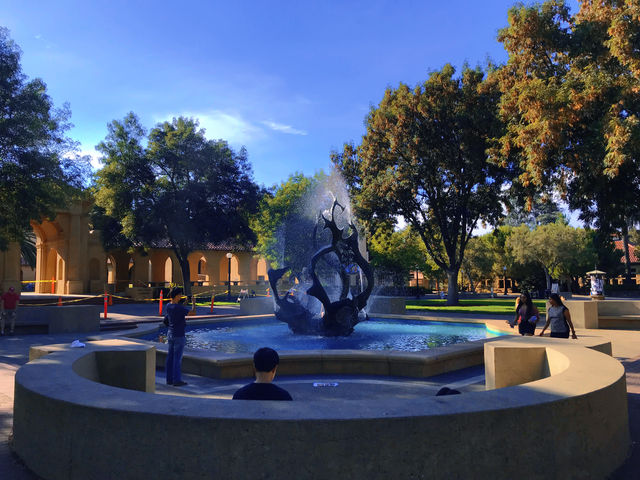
(176, 314)
(265, 363)
(526, 316)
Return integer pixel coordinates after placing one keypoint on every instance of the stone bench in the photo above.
(70, 424)
(605, 313)
(65, 319)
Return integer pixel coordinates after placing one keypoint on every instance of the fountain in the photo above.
(308, 307)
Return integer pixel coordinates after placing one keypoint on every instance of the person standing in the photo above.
(526, 316)
(10, 301)
(176, 314)
(559, 317)
(265, 364)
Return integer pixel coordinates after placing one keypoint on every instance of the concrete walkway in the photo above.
(14, 351)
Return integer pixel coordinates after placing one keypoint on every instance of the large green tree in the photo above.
(571, 104)
(479, 260)
(38, 168)
(181, 191)
(423, 158)
(561, 251)
(398, 253)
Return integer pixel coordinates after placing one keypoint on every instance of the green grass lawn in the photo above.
(481, 305)
(216, 304)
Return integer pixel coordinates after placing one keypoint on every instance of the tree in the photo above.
(570, 101)
(398, 253)
(38, 168)
(181, 191)
(559, 249)
(283, 215)
(423, 158)
(479, 260)
(541, 211)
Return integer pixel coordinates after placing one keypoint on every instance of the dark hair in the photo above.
(527, 303)
(265, 359)
(447, 391)
(556, 298)
(175, 291)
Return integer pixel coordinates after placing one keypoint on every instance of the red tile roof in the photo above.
(632, 251)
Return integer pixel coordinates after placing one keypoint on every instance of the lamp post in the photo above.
(504, 269)
(229, 255)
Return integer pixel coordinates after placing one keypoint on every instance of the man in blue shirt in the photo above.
(176, 314)
(265, 362)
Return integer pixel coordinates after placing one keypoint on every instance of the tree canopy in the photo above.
(423, 158)
(181, 191)
(284, 223)
(559, 249)
(39, 169)
(571, 105)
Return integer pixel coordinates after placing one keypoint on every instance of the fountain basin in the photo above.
(246, 335)
(571, 412)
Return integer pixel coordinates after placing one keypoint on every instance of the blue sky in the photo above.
(290, 80)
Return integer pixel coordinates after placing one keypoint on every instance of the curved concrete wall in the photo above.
(572, 424)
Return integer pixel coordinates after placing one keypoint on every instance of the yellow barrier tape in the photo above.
(63, 301)
(37, 281)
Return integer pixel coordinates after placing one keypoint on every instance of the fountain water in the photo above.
(328, 295)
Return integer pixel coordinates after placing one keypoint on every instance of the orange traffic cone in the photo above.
(59, 301)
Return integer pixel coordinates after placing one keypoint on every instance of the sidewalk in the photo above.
(14, 352)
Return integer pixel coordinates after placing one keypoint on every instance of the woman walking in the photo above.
(559, 318)
(526, 315)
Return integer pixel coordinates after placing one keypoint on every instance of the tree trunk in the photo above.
(186, 275)
(627, 258)
(547, 276)
(473, 286)
(452, 287)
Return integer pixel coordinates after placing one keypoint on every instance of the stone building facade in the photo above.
(72, 260)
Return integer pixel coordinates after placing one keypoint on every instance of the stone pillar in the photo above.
(10, 268)
(140, 276)
(584, 313)
(213, 259)
(77, 258)
(244, 268)
(121, 269)
(42, 283)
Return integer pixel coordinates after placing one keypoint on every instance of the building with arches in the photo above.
(71, 260)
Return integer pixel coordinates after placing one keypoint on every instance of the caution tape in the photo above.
(101, 295)
(38, 281)
(62, 301)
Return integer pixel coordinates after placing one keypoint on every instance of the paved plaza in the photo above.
(14, 351)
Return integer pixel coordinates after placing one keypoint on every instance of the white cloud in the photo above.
(38, 36)
(222, 125)
(89, 152)
(279, 127)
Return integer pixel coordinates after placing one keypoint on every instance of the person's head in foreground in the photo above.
(176, 294)
(265, 363)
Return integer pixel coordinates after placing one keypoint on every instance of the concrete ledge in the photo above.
(67, 319)
(67, 426)
(605, 313)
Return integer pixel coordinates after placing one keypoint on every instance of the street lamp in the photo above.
(229, 255)
(504, 269)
